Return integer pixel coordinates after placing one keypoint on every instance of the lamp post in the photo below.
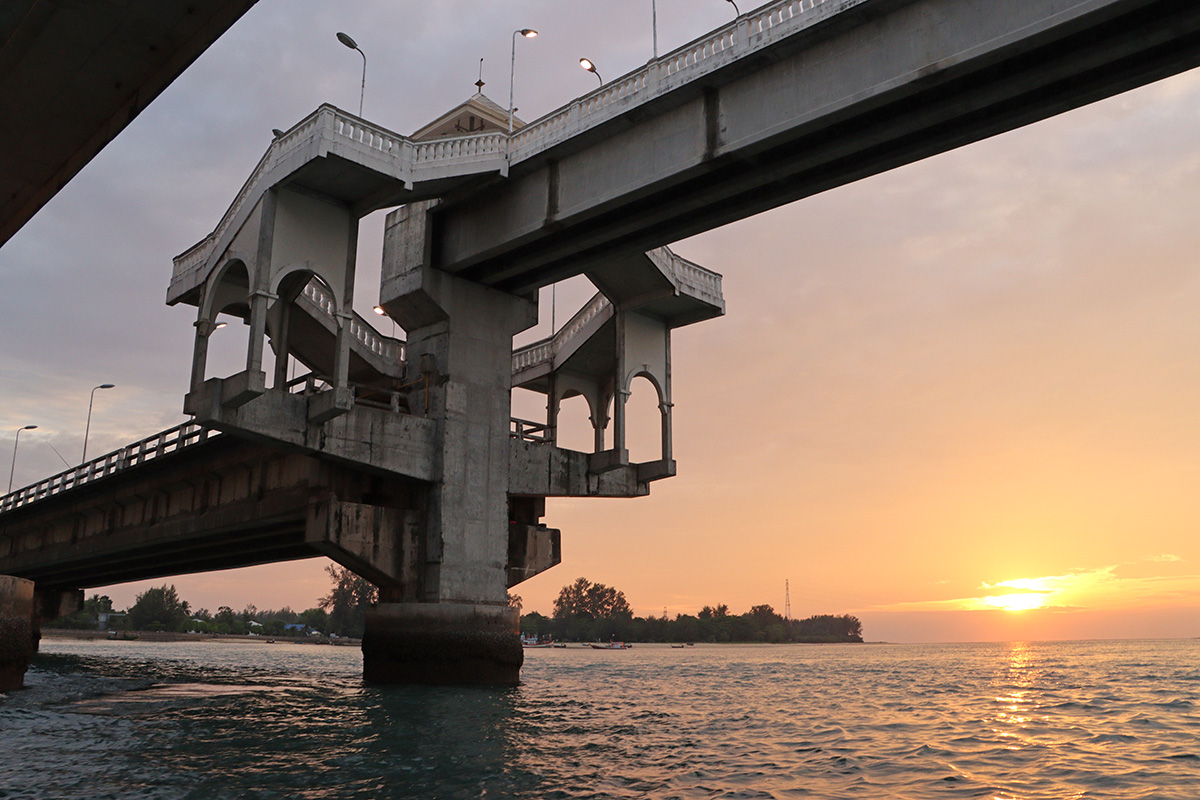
(383, 313)
(346, 40)
(654, 25)
(736, 10)
(88, 428)
(528, 33)
(12, 470)
(590, 67)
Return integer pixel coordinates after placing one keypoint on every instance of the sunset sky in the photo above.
(960, 400)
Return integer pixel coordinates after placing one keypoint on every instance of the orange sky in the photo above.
(973, 377)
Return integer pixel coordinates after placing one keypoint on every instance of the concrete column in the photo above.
(620, 392)
(462, 631)
(552, 406)
(258, 331)
(200, 352)
(281, 347)
(666, 405)
(341, 359)
(16, 631)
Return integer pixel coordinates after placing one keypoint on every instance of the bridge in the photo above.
(73, 74)
(401, 460)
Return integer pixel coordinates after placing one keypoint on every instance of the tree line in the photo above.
(588, 612)
(583, 612)
(342, 612)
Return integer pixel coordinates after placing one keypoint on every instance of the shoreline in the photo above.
(169, 636)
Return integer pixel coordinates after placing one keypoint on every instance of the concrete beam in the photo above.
(874, 88)
(74, 74)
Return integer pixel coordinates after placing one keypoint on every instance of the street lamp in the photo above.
(736, 10)
(383, 313)
(590, 67)
(346, 40)
(528, 33)
(654, 25)
(88, 429)
(13, 469)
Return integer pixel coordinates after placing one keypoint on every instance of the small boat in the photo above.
(560, 645)
(611, 646)
(678, 646)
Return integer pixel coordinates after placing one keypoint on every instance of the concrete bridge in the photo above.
(401, 460)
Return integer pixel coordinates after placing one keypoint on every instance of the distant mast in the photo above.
(787, 600)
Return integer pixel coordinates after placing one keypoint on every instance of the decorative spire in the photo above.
(479, 83)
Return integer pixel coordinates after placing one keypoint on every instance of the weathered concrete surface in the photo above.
(16, 631)
(883, 84)
(442, 644)
(226, 503)
(73, 75)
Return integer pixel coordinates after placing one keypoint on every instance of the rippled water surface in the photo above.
(252, 720)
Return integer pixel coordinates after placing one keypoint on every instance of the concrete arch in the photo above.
(652, 378)
(643, 437)
(227, 287)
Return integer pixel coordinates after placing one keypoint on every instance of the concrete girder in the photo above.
(885, 84)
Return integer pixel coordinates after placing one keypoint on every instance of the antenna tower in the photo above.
(787, 600)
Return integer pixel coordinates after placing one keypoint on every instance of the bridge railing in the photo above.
(528, 431)
(169, 441)
(364, 333)
(545, 350)
(748, 33)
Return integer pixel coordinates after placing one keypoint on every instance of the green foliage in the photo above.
(591, 601)
(317, 619)
(588, 612)
(86, 618)
(159, 609)
(348, 601)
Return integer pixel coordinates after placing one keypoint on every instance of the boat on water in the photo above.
(611, 646)
(678, 646)
(533, 643)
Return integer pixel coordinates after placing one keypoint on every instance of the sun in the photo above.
(1023, 601)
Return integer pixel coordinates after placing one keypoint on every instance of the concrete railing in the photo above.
(527, 431)
(403, 158)
(319, 299)
(169, 441)
(691, 278)
(744, 36)
(545, 350)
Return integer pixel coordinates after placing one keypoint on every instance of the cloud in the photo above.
(1096, 588)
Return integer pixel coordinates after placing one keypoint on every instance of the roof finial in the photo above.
(479, 82)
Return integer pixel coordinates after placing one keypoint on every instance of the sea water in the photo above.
(208, 719)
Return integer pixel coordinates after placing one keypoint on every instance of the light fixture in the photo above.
(590, 67)
(528, 33)
(379, 310)
(88, 429)
(353, 45)
(13, 469)
(219, 325)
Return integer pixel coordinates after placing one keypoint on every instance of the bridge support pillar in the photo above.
(460, 337)
(442, 644)
(16, 631)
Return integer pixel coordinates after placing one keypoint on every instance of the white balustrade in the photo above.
(738, 39)
(146, 450)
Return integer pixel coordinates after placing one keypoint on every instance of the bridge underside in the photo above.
(74, 74)
(869, 89)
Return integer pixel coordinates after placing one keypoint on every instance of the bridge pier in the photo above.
(442, 644)
(17, 643)
(460, 338)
